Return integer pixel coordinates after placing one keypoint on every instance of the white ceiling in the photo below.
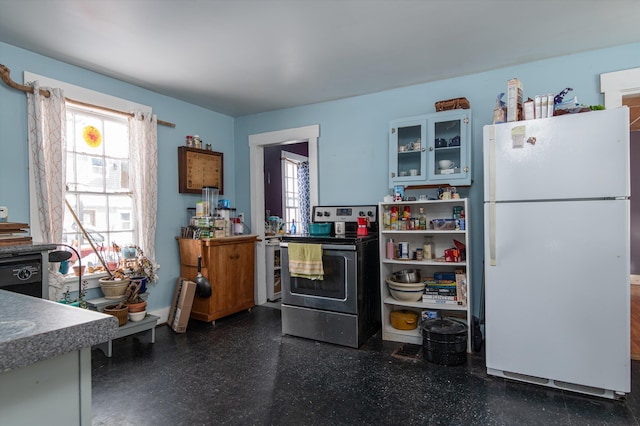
(240, 57)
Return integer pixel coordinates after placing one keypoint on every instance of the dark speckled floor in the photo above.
(242, 371)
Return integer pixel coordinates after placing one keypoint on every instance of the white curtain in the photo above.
(46, 119)
(143, 170)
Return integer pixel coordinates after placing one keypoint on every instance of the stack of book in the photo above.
(446, 289)
(13, 234)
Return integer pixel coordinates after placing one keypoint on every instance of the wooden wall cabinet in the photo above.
(228, 263)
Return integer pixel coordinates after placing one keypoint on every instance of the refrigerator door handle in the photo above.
(492, 196)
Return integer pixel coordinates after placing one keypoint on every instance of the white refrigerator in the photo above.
(556, 240)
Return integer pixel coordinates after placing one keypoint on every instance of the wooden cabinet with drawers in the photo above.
(228, 264)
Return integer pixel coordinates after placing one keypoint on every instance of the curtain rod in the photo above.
(5, 75)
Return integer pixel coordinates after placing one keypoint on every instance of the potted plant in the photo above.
(132, 298)
(137, 266)
(132, 266)
(132, 306)
(79, 301)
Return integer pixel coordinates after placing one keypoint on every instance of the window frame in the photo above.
(286, 158)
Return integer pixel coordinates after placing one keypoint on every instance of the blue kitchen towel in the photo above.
(305, 261)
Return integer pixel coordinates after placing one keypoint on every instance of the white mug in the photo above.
(339, 228)
(413, 172)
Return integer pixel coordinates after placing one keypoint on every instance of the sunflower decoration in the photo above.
(92, 136)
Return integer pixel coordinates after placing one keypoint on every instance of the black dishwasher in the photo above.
(22, 274)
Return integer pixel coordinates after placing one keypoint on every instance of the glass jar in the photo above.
(209, 200)
(428, 248)
(386, 218)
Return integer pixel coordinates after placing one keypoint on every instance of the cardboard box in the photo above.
(529, 110)
(514, 100)
(181, 305)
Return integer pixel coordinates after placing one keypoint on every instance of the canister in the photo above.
(209, 199)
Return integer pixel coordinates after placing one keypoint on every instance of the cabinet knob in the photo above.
(430, 148)
(466, 170)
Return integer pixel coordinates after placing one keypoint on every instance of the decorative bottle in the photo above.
(391, 250)
(422, 219)
(293, 226)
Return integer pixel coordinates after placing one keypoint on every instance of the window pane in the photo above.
(120, 213)
(117, 175)
(90, 172)
(116, 136)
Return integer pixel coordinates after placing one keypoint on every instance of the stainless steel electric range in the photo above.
(343, 308)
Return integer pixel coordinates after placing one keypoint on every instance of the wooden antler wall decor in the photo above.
(5, 75)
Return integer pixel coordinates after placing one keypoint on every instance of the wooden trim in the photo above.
(6, 77)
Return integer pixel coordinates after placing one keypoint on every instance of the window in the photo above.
(98, 187)
(290, 189)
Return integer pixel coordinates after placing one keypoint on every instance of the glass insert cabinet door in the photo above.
(431, 149)
(407, 152)
(449, 146)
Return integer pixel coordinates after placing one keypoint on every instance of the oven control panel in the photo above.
(344, 213)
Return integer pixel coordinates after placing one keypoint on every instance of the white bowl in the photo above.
(406, 295)
(137, 316)
(405, 286)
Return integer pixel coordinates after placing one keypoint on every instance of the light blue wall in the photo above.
(353, 152)
(352, 145)
(213, 127)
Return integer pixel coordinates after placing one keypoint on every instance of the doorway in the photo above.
(281, 169)
(257, 145)
(623, 88)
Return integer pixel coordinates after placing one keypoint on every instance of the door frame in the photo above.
(257, 143)
(615, 85)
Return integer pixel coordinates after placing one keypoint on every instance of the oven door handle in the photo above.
(345, 247)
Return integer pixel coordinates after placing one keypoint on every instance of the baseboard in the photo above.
(162, 313)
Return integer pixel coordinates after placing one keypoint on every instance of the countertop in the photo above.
(27, 248)
(33, 329)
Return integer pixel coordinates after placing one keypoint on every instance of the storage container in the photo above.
(404, 319)
(444, 341)
(320, 228)
(443, 224)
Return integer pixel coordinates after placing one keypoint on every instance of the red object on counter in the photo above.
(363, 226)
